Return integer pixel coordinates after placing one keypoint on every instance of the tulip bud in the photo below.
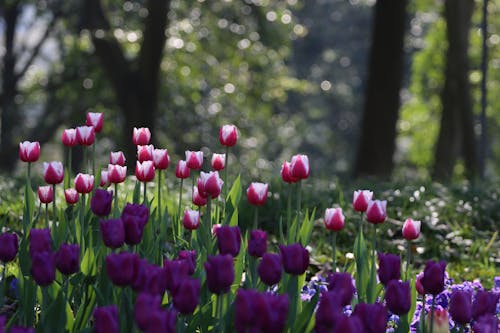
(104, 179)
(145, 171)
(121, 268)
(218, 161)
(485, 303)
(145, 304)
(39, 241)
(95, 119)
(373, 316)
(299, 167)
(433, 279)
(45, 194)
(117, 173)
(162, 321)
(334, 219)
(71, 196)
(361, 199)
(270, 269)
(29, 151)
(257, 244)
(181, 170)
(220, 273)
(68, 137)
(215, 227)
(85, 135)
(84, 183)
(350, 324)
(461, 307)
(198, 200)
(145, 153)
(161, 159)
(418, 284)
(398, 297)
(117, 158)
(112, 233)
(106, 319)
(8, 247)
(295, 258)
(376, 211)
(246, 316)
(135, 218)
(441, 324)
(389, 268)
(486, 324)
(190, 258)
(100, 203)
(68, 259)
(191, 219)
(272, 312)
(411, 229)
(150, 278)
(228, 135)
(141, 136)
(341, 284)
(176, 271)
(194, 159)
(329, 309)
(286, 174)
(229, 240)
(53, 172)
(210, 184)
(43, 268)
(257, 193)
(187, 296)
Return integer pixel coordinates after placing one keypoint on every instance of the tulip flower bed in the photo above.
(96, 263)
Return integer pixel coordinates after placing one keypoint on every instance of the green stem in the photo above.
(145, 197)
(360, 225)
(177, 228)
(289, 209)
(45, 305)
(219, 314)
(116, 198)
(54, 211)
(3, 287)
(225, 186)
(408, 263)
(69, 166)
(256, 218)
(82, 220)
(85, 161)
(374, 240)
(47, 216)
(334, 245)
(432, 313)
(159, 197)
(28, 176)
(423, 329)
(93, 159)
(299, 205)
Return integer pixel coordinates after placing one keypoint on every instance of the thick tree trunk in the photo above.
(382, 101)
(456, 136)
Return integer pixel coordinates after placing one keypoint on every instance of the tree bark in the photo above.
(382, 100)
(456, 136)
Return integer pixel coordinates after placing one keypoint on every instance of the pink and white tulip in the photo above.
(194, 159)
(361, 199)
(85, 135)
(116, 173)
(29, 151)
(257, 193)
(161, 159)
(198, 200)
(218, 161)
(45, 194)
(145, 153)
(145, 171)
(334, 219)
(95, 119)
(84, 183)
(53, 172)
(181, 170)
(286, 174)
(411, 229)
(68, 137)
(191, 219)
(299, 166)
(104, 179)
(141, 136)
(210, 184)
(228, 135)
(71, 196)
(376, 211)
(117, 158)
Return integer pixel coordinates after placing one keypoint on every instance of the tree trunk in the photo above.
(456, 136)
(382, 101)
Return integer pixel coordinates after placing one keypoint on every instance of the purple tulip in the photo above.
(350, 324)
(113, 233)
(3, 321)
(460, 307)
(373, 317)
(342, 285)
(39, 240)
(122, 268)
(433, 279)
(135, 218)
(486, 324)
(485, 303)
(101, 202)
(68, 259)
(229, 240)
(161, 321)
(295, 258)
(389, 268)
(245, 319)
(270, 269)
(257, 244)
(106, 319)
(272, 311)
(145, 304)
(329, 308)
(43, 268)
(175, 272)
(190, 258)
(8, 246)
(187, 296)
(398, 297)
(220, 273)
(150, 278)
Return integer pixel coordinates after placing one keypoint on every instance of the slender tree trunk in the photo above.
(382, 101)
(456, 136)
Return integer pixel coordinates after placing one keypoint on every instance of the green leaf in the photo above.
(307, 313)
(306, 228)
(88, 266)
(362, 268)
(137, 192)
(235, 193)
